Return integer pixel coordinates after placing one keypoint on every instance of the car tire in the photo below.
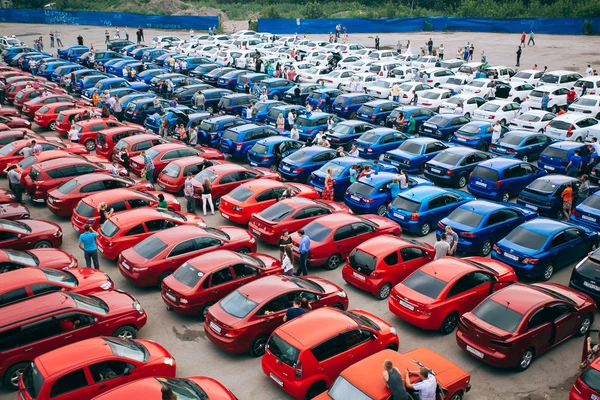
(483, 147)
(425, 229)
(468, 115)
(525, 158)
(217, 201)
(593, 247)
(392, 346)
(554, 109)
(43, 244)
(52, 125)
(316, 389)
(384, 291)
(333, 262)
(503, 122)
(125, 332)
(517, 100)
(526, 359)
(339, 306)
(381, 211)
(258, 346)
(462, 181)
(559, 214)
(11, 377)
(382, 122)
(273, 167)
(243, 250)
(308, 181)
(579, 139)
(548, 272)
(505, 197)
(486, 248)
(204, 310)
(162, 277)
(457, 396)
(353, 115)
(90, 145)
(276, 97)
(449, 324)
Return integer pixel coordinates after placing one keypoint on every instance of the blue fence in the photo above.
(557, 26)
(106, 19)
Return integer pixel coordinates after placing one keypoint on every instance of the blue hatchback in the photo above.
(310, 124)
(138, 53)
(371, 194)
(524, 145)
(403, 113)
(276, 87)
(322, 98)
(202, 70)
(229, 80)
(481, 223)
(153, 54)
(502, 178)
(452, 166)
(299, 165)
(117, 67)
(556, 156)
(125, 100)
(213, 76)
(213, 97)
(47, 69)
(64, 53)
(246, 82)
(588, 212)
(173, 116)
(211, 129)
(113, 83)
(262, 109)
(284, 109)
(239, 140)
(236, 103)
(443, 126)
(475, 134)
(413, 153)
(64, 70)
(347, 105)
(137, 110)
(346, 132)
(269, 152)
(185, 94)
(377, 111)
(418, 210)
(147, 75)
(537, 248)
(376, 142)
(89, 81)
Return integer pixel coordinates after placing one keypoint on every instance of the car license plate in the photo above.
(594, 397)
(588, 218)
(170, 296)
(531, 206)
(591, 286)
(364, 115)
(406, 305)
(257, 233)
(359, 276)
(276, 379)
(437, 171)
(225, 215)
(395, 163)
(511, 256)
(285, 168)
(500, 149)
(355, 198)
(398, 215)
(474, 351)
(480, 184)
(215, 327)
(162, 185)
(127, 267)
(549, 167)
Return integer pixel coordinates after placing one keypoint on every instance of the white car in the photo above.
(368, 79)
(347, 62)
(350, 48)
(201, 38)
(454, 84)
(432, 98)
(469, 69)
(504, 73)
(363, 53)
(334, 79)
(209, 51)
(587, 104)
(406, 59)
(382, 88)
(438, 76)
(246, 43)
(164, 41)
(479, 86)
(497, 110)
(470, 103)
(452, 64)
(315, 55)
(565, 79)
(244, 34)
(218, 39)
(557, 97)
(379, 55)
(312, 75)
(363, 65)
(513, 91)
(592, 85)
(266, 47)
(425, 62)
(186, 48)
(6, 42)
(532, 120)
(404, 73)
(408, 89)
(574, 126)
(306, 45)
(382, 68)
(531, 76)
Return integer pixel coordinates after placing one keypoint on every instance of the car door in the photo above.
(271, 314)
(436, 210)
(363, 231)
(557, 252)
(108, 374)
(72, 385)
(244, 273)
(539, 330)
(564, 318)
(344, 240)
(412, 258)
(467, 292)
(222, 283)
(357, 344)
(577, 245)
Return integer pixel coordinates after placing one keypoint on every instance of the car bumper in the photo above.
(590, 224)
(361, 281)
(542, 210)
(490, 357)
(553, 169)
(412, 317)
(405, 223)
(295, 388)
(485, 193)
(171, 188)
(310, 262)
(263, 164)
(522, 270)
(235, 345)
(184, 309)
(271, 238)
(410, 168)
(240, 219)
(109, 252)
(360, 207)
(141, 278)
(578, 285)
(62, 210)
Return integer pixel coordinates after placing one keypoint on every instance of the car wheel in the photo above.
(425, 228)
(486, 248)
(579, 139)
(258, 345)
(209, 109)
(449, 323)
(204, 310)
(339, 306)
(353, 115)
(503, 122)
(382, 122)
(244, 250)
(308, 180)
(525, 158)
(273, 167)
(11, 377)
(585, 325)
(392, 346)
(462, 181)
(506, 197)
(548, 272)
(526, 359)
(315, 390)
(554, 109)
(593, 247)
(518, 100)
(457, 396)
(468, 115)
(384, 291)
(162, 277)
(126, 332)
(275, 97)
(44, 244)
(333, 262)
(382, 210)
(52, 125)
(90, 145)
(217, 201)
(483, 147)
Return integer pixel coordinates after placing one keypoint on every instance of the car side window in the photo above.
(244, 271)
(136, 230)
(345, 232)
(462, 285)
(437, 202)
(183, 248)
(84, 169)
(412, 253)
(539, 318)
(68, 383)
(171, 155)
(315, 212)
(480, 278)
(265, 196)
(573, 234)
(229, 178)
(135, 203)
(360, 228)
(120, 205)
(221, 276)
(558, 311)
(329, 348)
(392, 258)
(277, 304)
(159, 225)
(558, 240)
(106, 370)
(355, 337)
(12, 296)
(512, 172)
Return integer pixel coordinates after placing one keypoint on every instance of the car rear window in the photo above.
(33, 380)
(231, 135)
(511, 139)
(369, 137)
(498, 315)
(172, 170)
(526, 238)
(438, 120)
(109, 229)
(548, 78)
(555, 152)
(411, 147)
(68, 186)
(485, 173)
(466, 217)
(425, 284)
(317, 232)
(367, 109)
(208, 127)
(469, 130)
(285, 352)
(127, 349)
(591, 377)
(299, 156)
(58, 276)
(447, 157)
(305, 121)
(344, 390)
(560, 125)
(259, 148)
(593, 202)
(85, 210)
(336, 168)
(237, 305)
(43, 110)
(361, 189)
(149, 247)
(188, 275)
(241, 193)
(489, 107)
(405, 204)
(225, 101)
(359, 258)
(277, 212)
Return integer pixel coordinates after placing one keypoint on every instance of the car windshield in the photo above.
(188, 275)
(447, 157)
(344, 390)
(512, 140)
(411, 147)
(523, 75)
(22, 257)
(555, 152)
(543, 185)
(109, 229)
(208, 127)
(89, 303)
(486, 174)
(57, 276)
(241, 193)
(586, 102)
(15, 226)
(469, 130)
(466, 217)
(317, 232)
(150, 247)
(489, 107)
(366, 110)
(306, 121)
(336, 168)
(277, 212)
(498, 315)
(361, 189)
(33, 380)
(341, 130)
(237, 305)
(27, 162)
(529, 118)
(425, 284)
(592, 201)
(206, 174)
(360, 259)
(127, 349)
(526, 238)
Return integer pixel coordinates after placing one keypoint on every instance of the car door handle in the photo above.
(29, 349)
(68, 337)
(102, 387)
(339, 246)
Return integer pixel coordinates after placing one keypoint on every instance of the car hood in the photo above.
(54, 258)
(38, 226)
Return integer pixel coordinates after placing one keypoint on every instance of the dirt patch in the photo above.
(189, 335)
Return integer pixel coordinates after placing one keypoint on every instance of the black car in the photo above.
(118, 45)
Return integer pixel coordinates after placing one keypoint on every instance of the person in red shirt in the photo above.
(567, 197)
(571, 95)
(523, 36)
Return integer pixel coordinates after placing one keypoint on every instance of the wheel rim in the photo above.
(273, 167)
(381, 211)
(382, 122)
(548, 272)
(14, 378)
(43, 245)
(455, 397)
(126, 335)
(526, 359)
(334, 261)
(585, 325)
(243, 250)
(594, 247)
(259, 346)
(487, 248)
(52, 126)
(425, 229)
(205, 310)
(505, 197)
(450, 323)
(525, 158)
(384, 291)
(90, 145)
(462, 181)
(468, 115)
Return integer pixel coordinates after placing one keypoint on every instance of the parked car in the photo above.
(556, 156)
(376, 142)
(476, 134)
(269, 152)
(377, 111)
(55, 259)
(298, 166)
(532, 120)
(413, 153)
(453, 165)
(443, 126)
(524, 145)
(237, 141)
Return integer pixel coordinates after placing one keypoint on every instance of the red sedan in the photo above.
(172, 177)
(291, 214)
(15, 122)
(381, 263)
(163, 154)
(30, 107)
(9, 112)
(29, 234)
(333, 237)
(12, 153)
(7, 196)
(158, 256)
(206, 279)
(13, 211)
(126, 229)
(62, 200)
(21, 94)
(26, 164)
(10, 136)
(514, 325)
(243, 321)
(437, 294)
(253, 197)
(46, 116)
(11, 260)
(105, 140)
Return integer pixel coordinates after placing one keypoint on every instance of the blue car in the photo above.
(418, 210)
(64, 53)
(200, 71)
(137, 110)
(127, 50)
(347, 105)
(556, 156)
(12, 52)
(413, 153)
(125, 100)
(213, 97)
(193, 63)
(276, 87)
(305, 90)
(64, 70)
(138, 53)
(443, 126)
(213, 76)
(502, 178)
(377, 111)
(537, 248)
(101, 56)
(147, 75)
(451, 167)
(229, 80)
(211, 129)
(173, 116)
(263, 108)
(588, 212)
(346, 132)
(284, 109)
(235, 103)
(75, 52)
(116, 68)
(403, 113)
(88, 82)
(152, 54)
(310, 124)
(113, 83)
(376, 142)
(46, 70)
(246, 81)
(24, 62)
(524, 145)
(269, 152)
(322, 98)
(371, 194)
(185, 94)
(475, 134)
(299, 165)
(237, 141)
(479, 224)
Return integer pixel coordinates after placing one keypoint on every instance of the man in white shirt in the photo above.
(589, 71)
(496, 131)
(525, 106)
(294, 134)
(359, 86)
(290, 118)
(426, 387)
(352, 85)
(459, 108)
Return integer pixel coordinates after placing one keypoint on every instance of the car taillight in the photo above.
(346, 108)
(467, 234)
(570, 131)
(450, 172)
(491, 117)
(498, 184)
(265, 158)
(414, 216)
(238, 146)
(308, 132)
(58, 234)
(368, 201)
(441, 226)
(576, 213)
(135, 113)
(373, 116)
(370, 150)
(496, 248)
(530, 260)
(500, 343)
(299, 370)
(234, 333)
(375, 274)
(298, 170)
(511, 151)
(478, 91)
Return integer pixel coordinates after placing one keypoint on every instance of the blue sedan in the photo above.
(452, 166)
(524, 145)
(269, 152)
(588, 212)
(310, 124)
(412, 155)
(419, 209)
(299, 165)
(377, 111)
(539, 247)
(481, 223)
(376, 142)
(443, 126)
(371, 194)
(476, 134)
(263, 108)
(346, 132)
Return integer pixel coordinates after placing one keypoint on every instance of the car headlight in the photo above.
(106, 285)
(11, 196)
(341, 293)
(169, 361)
(201, 225)
(252, 240)
(393, 331)
(175, 201)
(71, 265)
(138, 307)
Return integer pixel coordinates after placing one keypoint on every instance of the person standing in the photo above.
(14, 182)
(148, 167)
(328, 190)
(106, 37)
(545, 101)
(571, 96)
(114, 169)
(27, 150)
(403, 178)
(377, 42)
(285, 241)
(304, 250)
(294, 133)
(519, 51)
(589, 71)
(412, 125)
(393, 380)
(584, 189)
(496, 131)
(394, 188)
(37, 148)
(117, 108)
(574, 165)
(531, 38)
(51, 39)
(441, 52)
(395, 91)
(287, 263)
(59, 42)
(567, 198)
(193, 136)
(207, 196)
(430, 46)
(104, 212)
(125, 159)
(452, 239)
(188, 192)
(426, 387)
(523, 37)
(138, 37)
(87, 243)
(442, 247)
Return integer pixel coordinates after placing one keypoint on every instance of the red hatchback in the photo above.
(138, 143)
(65, 118)
(7, 196)
(172, 177)
(380, 263)
(163, 154)
(206, 279)
(104, 140)
(514, 325)
(91, 367)
(150, 261)
(126, 229)
(10, 136)
(253, 197)
(291, 214)
(13, 211)
(28, 234)
(587, 386)
(62, 200)
(244, 320)
(14, 122)
(11, 260)
(30, 107)
(437, 294)
(13, 153)
(333, 237)
(47, 115)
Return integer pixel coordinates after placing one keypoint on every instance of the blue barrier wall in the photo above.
(556, 26)
(106, 19)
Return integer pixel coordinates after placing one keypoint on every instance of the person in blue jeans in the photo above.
(87, 243)
(574, 166)
(304, 250)
(148, 167)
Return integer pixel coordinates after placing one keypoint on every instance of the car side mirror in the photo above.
(96, 320)
(19, 236)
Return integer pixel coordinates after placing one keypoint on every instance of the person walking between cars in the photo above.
(519, 51)
(545, 101)
(188, 193)
(377, 42)
(442, 247)
(285, 241)
(87, 243)
(584, 189)
(393, 380)
(496, 131)
(452, 239)
(327, 193)
(426, 387)
(574, 165)
(14, 182)
(148, 167)
(287, 262)
(304, 250)
(207, 196)
(531, 38)
(567, 198)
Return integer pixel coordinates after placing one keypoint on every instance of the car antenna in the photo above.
(507, 304)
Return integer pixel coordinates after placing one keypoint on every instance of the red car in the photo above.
(9, 112)
(586, 386)
(206, 279)
(30, 107)
(291, 214)
(65, 118)
(226, 177)
(7, 196)
(49, 321)
(130, 227)
(22, 94)
(27, 234)
(86, 211)
(47, 115)
(13, 211)
(104, 141)
(195, 387)
(90, 367)
(14, 122)
(437, 294)
(253, 197)
(172, 177)
(514, 325)
(150, 261)
(10, 136)
(381, 263)
(11, 260)
(244, 320)
(306, 355)
(138, 143)
(13, 153)
(62, 200)
(333, 237)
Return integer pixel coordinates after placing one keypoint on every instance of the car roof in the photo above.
(330, 321)
(422, 140)
(116, 194)
(500, 102)
(382, 131)
(137, 215)
(214, 260)
(545, 226)
(274, 140)
(381, 245)
(448, 268)
(93, 177)
(60, 162)
(375, 103)
(267, 287)
(75, 354)
(139, 138)
(337, 220)
(352, 122)
(522, 134)
(571, 117)
(22, 277)
(378, 178)
(500, 163)
(460, 150)
(38, 305)
(528, 297)
(423, 193)
(482, 207)
(567, 145)
(262, 184)
(479, 124)
(547, 88)
(558, 179)
(169, 146)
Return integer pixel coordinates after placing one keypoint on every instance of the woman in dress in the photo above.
(280, 123)
(327, 193)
